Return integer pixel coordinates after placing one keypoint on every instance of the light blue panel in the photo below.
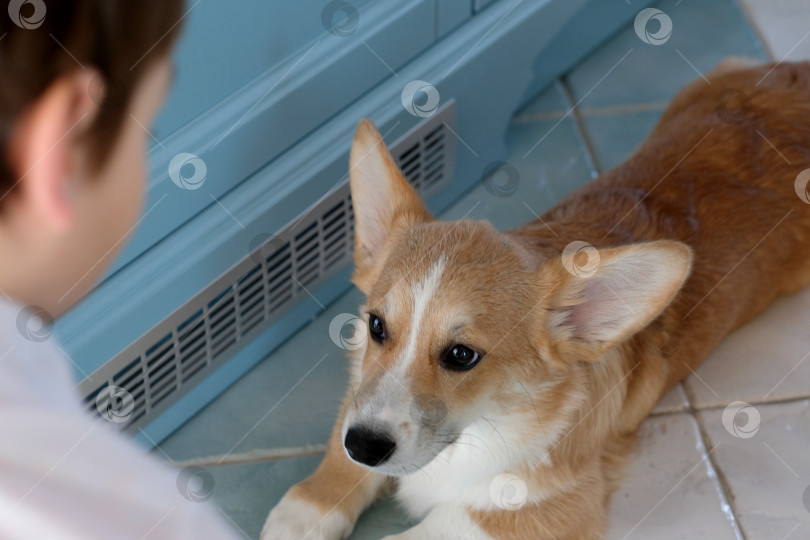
(478, 5)
(267, 116)
(450, 14)
(549, 104)
(225, 45)
(464, 66)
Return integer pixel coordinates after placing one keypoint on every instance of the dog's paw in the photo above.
(296, 519)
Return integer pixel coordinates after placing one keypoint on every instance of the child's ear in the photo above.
(381, 197)
(46, 146)
(604, 297)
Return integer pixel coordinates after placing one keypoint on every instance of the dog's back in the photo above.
(721, 172)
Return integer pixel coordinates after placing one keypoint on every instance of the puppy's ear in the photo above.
(604, 297)
(381, 197)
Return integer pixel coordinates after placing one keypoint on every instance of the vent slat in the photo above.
(334, 237)
(136, 376)
(227, 319)
(225, 305)
(337, 221)
(411, 161)
(412, 170)
(158, 356)
(251, 306)
(164, 369)
(437, 132)
(128, 367)
(196, 369)
(333, 240)
(193, 358)
(309, 278)
(217, 348)
(304, 253)
(338, 250)
(191, 333)
(408, 152)
(193, 342)
(307, 230)
(159, 346)
(251, 294)
(328, 214)
(281, 298)
(91, 398)
(279, 256)
(250, 285)
(306, 265)
(161, 397)
(281, 274)
(250, 324)
(434, 162)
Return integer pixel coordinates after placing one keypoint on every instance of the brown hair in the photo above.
(39, 42)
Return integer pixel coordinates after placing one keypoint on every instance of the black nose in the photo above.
(368, 447)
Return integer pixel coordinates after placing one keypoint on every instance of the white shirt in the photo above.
(65, 475)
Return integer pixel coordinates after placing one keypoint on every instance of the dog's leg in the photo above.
(326, 505)
(554, 520)
(445, 522)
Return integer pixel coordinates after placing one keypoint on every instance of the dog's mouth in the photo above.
(390, 431)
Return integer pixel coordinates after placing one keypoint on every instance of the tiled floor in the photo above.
(696, 473)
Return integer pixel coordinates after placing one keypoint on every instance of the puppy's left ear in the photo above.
(601, 298)
(381, 197)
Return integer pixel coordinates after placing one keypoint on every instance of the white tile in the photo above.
(673, 401)
(767, 359)
(784, 26)
(768, 474)
(669, 490)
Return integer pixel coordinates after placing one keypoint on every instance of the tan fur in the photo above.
(707, 196)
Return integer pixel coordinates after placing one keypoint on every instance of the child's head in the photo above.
(81, 83)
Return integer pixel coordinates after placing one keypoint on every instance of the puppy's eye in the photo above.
(460, 358)
(376, 328)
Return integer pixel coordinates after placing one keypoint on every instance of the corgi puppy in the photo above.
(505, 375)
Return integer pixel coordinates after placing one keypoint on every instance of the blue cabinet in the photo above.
(255, 78)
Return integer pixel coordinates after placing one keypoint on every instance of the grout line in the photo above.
(752, 22)
(690, 396)
(782, 401)
(252, 456)
(681, 409)
(689, 402)
(668, 412)
(580, 126)
(726, 497)
(538, 117)
(587, 112)
(625, 109)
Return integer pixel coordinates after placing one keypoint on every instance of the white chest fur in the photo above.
(458, 474)
(463, 473)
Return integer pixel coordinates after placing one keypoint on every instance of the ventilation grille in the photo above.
(181, 350)
(423, 162)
